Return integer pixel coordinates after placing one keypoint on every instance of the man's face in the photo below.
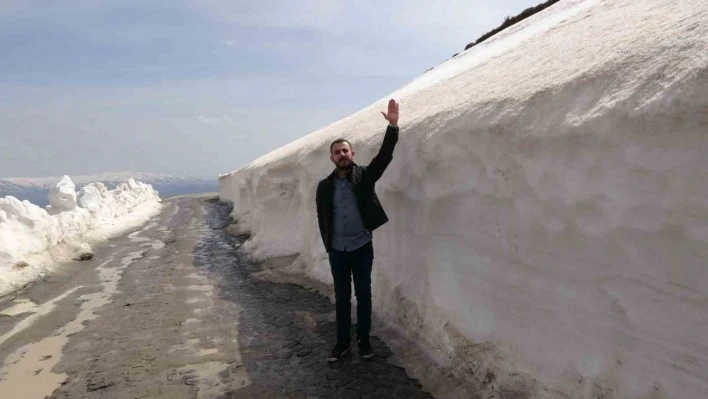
(342, 156)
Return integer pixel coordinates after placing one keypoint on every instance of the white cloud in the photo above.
(217, 120)
(208, 121)
(274, 13)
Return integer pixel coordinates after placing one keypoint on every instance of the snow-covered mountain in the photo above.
(35, 189)
(31, 193)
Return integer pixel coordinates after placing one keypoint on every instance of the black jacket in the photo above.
(362, 180)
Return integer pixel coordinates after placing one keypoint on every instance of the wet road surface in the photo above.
(173, 311)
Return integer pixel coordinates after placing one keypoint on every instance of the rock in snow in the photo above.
(548, 201)
(84, 252)
(32, 236)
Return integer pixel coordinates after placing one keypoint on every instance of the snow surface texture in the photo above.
(62, 196)
(548, 204)
(32, 239)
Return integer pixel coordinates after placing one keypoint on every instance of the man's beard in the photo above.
(346, 167)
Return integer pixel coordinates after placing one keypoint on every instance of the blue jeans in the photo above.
(344, 265)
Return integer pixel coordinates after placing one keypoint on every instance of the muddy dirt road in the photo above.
(172, 311)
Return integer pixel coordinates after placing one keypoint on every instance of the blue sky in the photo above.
(203, 87)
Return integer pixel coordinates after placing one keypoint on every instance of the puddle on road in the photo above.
(38, 311)
(206, 289)
(26, 373)
(23, 305)
(134, 237)
(207, 352)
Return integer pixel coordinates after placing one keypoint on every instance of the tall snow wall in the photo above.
(36, 238)
(548, 200)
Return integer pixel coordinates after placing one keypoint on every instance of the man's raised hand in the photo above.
(392, 115)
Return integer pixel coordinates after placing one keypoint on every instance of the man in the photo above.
(348, 211)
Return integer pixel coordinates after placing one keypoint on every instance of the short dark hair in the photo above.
(337, 142)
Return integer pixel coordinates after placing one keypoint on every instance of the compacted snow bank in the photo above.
(548, 201)
(33, 239)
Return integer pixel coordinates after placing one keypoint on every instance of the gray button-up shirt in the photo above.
(348, 231)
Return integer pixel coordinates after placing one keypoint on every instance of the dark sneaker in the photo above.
(339, 350)
(365, 349)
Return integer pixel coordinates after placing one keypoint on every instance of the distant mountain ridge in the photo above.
(35, 189)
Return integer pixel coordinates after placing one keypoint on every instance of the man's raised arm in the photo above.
(380, 162)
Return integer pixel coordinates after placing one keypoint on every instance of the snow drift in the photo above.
(548, 200)
(32, 238)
